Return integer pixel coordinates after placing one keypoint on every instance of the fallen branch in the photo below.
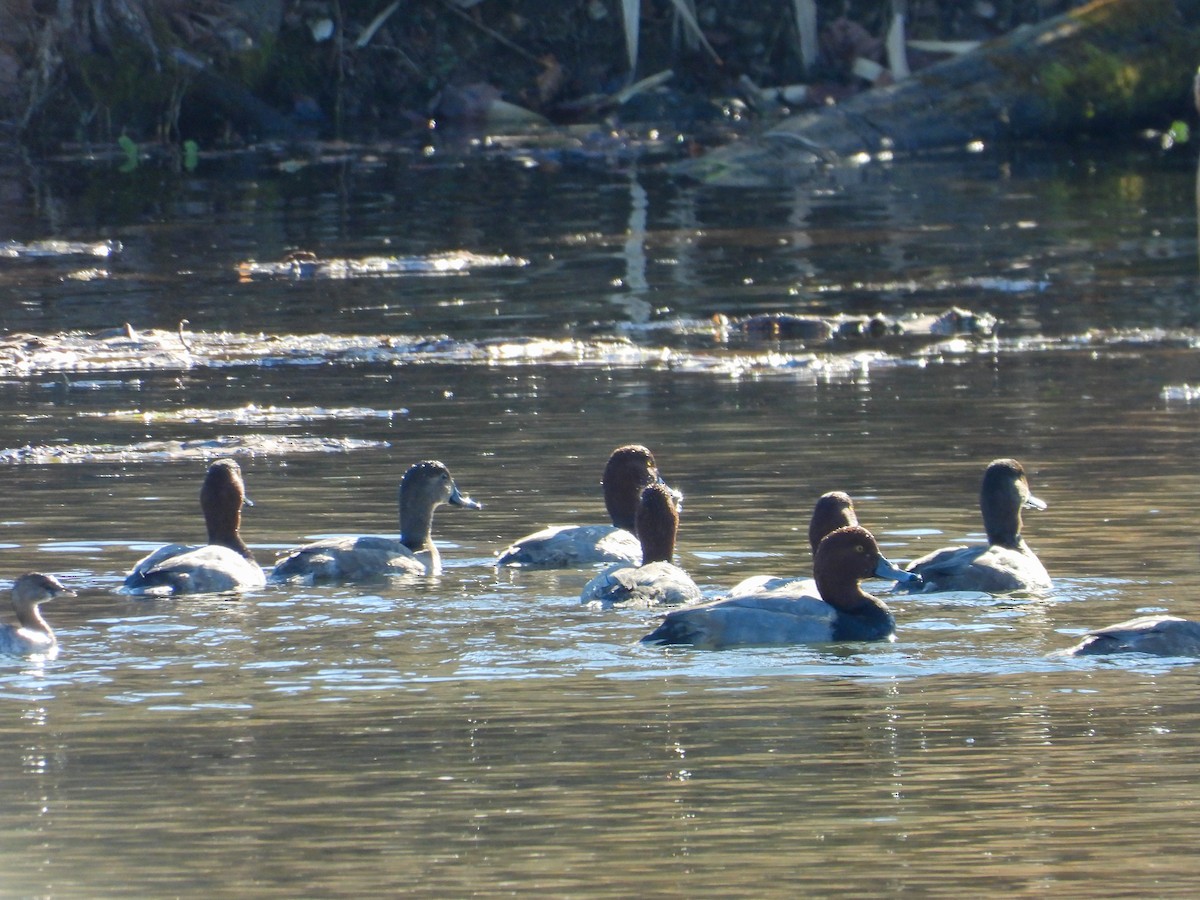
(1112, 64)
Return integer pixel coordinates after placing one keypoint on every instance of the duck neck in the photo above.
(622, 505)
(416, 525)
(31, 619)
(872, 622)
(221, 499)
(657, 547)
(843, 592)
(223, 532)
(1002, 521)
(657, 525)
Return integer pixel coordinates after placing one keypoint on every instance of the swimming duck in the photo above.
(832, 511)
(1159, 635)
(225, 563)
(31, 634)
(842, 612)
(425, 486)
(657, 581)
(1005, 563)
(628, 471)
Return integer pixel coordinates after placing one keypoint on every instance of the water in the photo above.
(480, 733)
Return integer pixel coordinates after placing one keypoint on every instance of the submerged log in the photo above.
(1108, 65)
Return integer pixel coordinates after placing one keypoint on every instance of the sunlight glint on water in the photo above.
(480, 733)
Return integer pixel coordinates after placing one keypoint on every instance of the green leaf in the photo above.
(125, 142)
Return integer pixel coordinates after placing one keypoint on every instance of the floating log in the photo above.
(1112, 64)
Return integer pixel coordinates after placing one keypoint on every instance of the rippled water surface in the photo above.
(517, 316)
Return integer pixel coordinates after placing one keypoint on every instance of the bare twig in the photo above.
(492, 33)
(805, 12)
(631, 13)
(376, 24)
(688, 15)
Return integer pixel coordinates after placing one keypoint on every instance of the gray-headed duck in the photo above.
(629, 470)
(425, 486)
(31, 634)
(1159, 635)
(842, 612)
(657, 581)
(1003, 565)
(225, 563)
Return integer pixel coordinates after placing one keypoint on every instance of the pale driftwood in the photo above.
(1112, 64)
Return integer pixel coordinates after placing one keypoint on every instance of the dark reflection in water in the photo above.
(481, 733)
(1043, 242)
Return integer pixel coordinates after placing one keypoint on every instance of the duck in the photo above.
(629, 470)
(1005, 564)
(842, 611)
(833, 510)
(657, 581)
(32, 633)
(425, 486)
(1157, 635)
(225, 563)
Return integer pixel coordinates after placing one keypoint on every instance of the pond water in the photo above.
(517, 314)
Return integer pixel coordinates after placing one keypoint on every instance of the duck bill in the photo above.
(1032, 502)
(457, 498)
(886, 569)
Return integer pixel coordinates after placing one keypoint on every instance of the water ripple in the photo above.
(250, 414)
(57, 248)
(304, 265)
(225, 445)
(679, 345)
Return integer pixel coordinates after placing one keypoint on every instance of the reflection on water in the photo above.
(481, 732)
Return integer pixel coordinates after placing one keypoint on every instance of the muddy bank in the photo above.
(233, 72)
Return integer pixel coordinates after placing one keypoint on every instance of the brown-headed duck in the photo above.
(1003, 565)
(1158, 635)
(630, 469)
(842, 612)
(657, 581)
(31, 634)
(832, 511)
(225, 563)
(425, 486)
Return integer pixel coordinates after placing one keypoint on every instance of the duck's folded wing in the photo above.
(747, 622)
(641, 587)
(204, 570)
(157, 558)
(1159, 635)
(941, 567)
(567, 546)
(348, 559)
(771, 586)
(990, 569)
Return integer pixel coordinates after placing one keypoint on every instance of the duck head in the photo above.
(629, 471)
(1004, 493)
